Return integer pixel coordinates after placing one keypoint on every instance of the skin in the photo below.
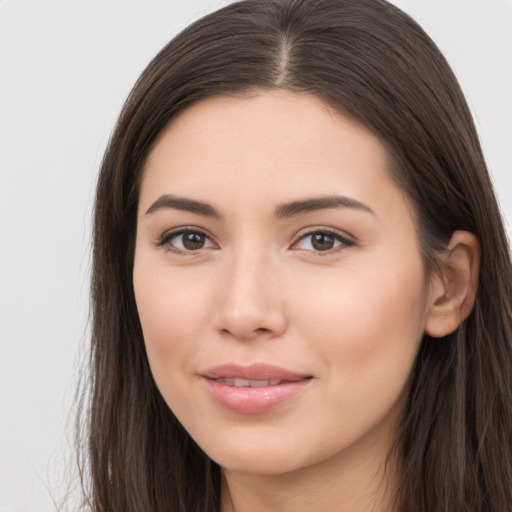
(258, 291)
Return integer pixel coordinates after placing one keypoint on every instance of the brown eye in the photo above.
(186, 240)
(193, 241)
(322, 241)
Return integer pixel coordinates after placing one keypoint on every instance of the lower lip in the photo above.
(247, 400)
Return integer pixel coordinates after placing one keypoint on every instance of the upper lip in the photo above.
(258, 371)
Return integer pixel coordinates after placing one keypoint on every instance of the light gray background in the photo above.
(66, 68)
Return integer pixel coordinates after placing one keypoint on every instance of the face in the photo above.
(279, 282)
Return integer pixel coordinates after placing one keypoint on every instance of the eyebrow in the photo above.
(283, 211)
(180, 203)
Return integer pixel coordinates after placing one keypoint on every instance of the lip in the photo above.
(254, 400)
(257, 371)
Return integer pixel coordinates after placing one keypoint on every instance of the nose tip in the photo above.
(249, 305)
(247, 323)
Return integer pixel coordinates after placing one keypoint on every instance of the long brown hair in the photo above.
(376, 65)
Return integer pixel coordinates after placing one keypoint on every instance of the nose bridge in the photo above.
(249, 304)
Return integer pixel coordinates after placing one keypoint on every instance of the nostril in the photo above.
(249, 320)
(259, 330)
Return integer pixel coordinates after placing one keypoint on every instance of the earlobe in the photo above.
(453, 290)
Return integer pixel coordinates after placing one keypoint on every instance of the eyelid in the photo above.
(346, 240)
(168, 235)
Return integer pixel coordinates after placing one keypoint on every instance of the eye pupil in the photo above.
(193, 241)
(322, 241)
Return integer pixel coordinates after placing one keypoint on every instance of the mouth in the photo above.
(240, 375)
(246, 383)
(253, 389)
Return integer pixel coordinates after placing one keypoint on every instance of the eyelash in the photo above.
(344, 241)
(166, 238)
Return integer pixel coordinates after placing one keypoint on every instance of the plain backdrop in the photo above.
(66, 67)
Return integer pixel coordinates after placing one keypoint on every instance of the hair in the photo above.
(374, 64)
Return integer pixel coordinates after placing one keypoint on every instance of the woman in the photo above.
(301, 283)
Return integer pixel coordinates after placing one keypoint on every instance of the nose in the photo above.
(250, 304)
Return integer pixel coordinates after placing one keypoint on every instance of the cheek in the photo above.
(172, 311)
(366, 324)
(364, 339)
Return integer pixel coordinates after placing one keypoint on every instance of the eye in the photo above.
(322, 241)
(186, 240)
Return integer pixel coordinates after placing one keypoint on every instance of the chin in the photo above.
(253, 457)
(257, 464)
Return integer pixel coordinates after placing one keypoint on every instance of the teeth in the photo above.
(246, 383)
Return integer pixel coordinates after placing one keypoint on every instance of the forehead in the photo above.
(276, 145)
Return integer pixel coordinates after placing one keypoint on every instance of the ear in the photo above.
(453, 290)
